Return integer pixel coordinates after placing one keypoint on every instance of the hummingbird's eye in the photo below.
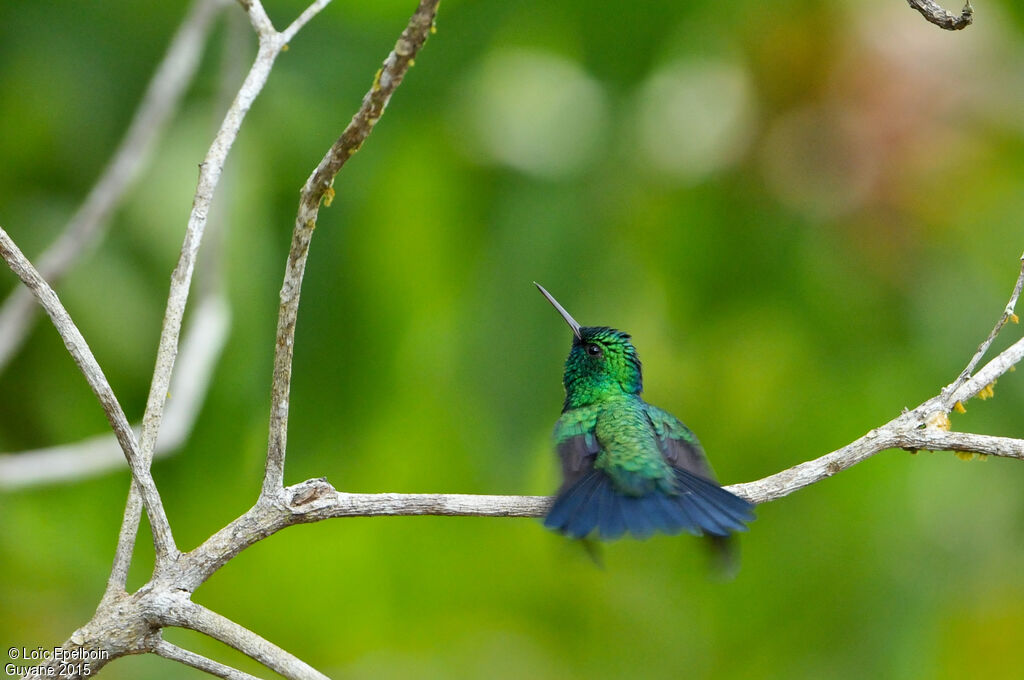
(594, 350)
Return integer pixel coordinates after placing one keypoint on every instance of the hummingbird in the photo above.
(628, 466)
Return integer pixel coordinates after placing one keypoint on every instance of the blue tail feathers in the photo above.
(698, 506)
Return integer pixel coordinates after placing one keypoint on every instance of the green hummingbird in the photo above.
(628, 466)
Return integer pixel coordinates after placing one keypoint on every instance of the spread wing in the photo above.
(577, 444)
(589, 501)
(681, 449)
(679, 444)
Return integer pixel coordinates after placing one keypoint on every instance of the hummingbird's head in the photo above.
(602, 359)
(602, 362)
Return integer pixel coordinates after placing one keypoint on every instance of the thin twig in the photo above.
(387, 80)
(989, 373)
(200, 662)
(86, 362)
(1007, 315)
(162, 98)
(176, 609)
(943, 18)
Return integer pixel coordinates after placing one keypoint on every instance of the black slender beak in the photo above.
(561, 310)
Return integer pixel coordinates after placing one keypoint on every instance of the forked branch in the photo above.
(176, 609)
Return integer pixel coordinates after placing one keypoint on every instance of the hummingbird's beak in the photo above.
(561, 310)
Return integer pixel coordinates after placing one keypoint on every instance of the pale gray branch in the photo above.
(886, 437)
(942, 18)
(315, 500)
(317, 187)
(204, 340)
(176, 609)
(86, 362)
(162, 98)
(197, 661)
(931, 439)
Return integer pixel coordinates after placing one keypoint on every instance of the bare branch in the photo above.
(86, 363)
(201, 348)
(176, 609)
(176, 653)
(162, 97)
(387, 80)
(943, 18)
(315, 500)
(1007, 315)
(933, 439)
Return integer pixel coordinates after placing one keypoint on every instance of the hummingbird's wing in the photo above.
(577, 444)
(680, 447)
(679, 444)
(591, 501)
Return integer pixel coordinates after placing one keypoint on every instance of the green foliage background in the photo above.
(835, 255)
